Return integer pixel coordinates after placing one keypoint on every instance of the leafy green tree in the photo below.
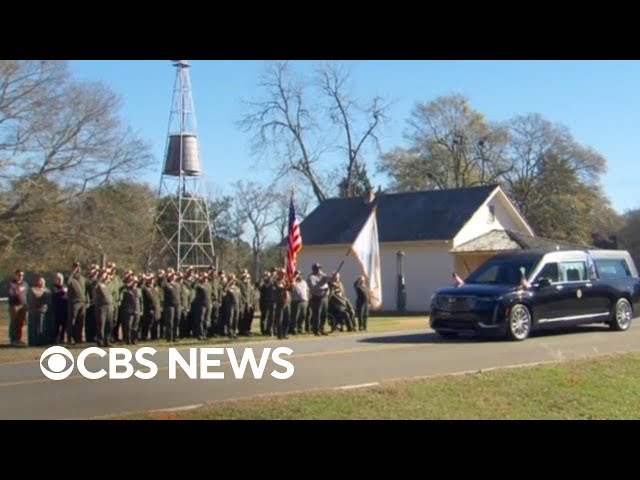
(451, 145)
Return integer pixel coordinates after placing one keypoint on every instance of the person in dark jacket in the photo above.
(18, 292)
(59, 305)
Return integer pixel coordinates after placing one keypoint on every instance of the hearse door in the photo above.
(550, 295)
(577, 301)
(597, 295)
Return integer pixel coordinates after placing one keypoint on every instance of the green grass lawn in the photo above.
(376, 325)
(600, 388)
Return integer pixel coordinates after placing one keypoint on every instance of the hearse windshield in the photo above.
(502, 271)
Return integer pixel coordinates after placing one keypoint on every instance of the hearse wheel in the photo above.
(622, 315)
(518, 323)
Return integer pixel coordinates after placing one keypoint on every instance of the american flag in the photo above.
(295, 241)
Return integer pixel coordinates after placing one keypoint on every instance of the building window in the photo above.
(492, 214)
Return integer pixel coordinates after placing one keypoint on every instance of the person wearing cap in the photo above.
(77, 297)
(171, 307)
(341, 311)
(130, 309)
(319, 302)
(363, 302)
(17, 296)
(219, 326)
(269, 292)
(283, 304)
(245, 316)
(103, 305)
(59, 305)
(151, 308)
(201, 307)
(184, 326)
(90, 322)
(191, 281)
(230, 307)
(299, 305)
(214, 313)
(117, 286)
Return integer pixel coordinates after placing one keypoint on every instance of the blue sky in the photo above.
(598, 101)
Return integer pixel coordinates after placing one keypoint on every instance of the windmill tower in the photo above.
(182, 233)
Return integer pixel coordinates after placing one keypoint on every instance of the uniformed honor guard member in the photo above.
(130, 309)
(214, 314)
(283, 304)
(201, 307)
(78, 300)
(90, 317)
(152, 311)
(231, 306)
(271, 294)
(299, 305)
(363, 302)
(319, 288)
(171, 307)
(103, 304)
(116, 292)
(247, 309)
(262, 302)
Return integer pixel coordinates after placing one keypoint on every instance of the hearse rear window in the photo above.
(613, 268)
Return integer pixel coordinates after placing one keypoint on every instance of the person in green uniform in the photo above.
(103, 304)
(77, 298)
(214, 314)
(363, 301)
(171, 307)
(201, 307)
(283, 304)
(231, 306)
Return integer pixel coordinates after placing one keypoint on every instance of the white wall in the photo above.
(427, 267)
(478, 224)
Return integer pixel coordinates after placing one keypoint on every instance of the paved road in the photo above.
(344, 361)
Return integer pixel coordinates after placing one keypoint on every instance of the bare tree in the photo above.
(282, 122)
(256, 204)
(342, 111)
(288, 125)
(54, 129)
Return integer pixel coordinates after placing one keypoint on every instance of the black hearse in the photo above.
(514, 293)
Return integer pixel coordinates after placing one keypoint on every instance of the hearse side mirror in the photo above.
(543, 282)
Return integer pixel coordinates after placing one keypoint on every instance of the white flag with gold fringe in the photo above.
(366, 248)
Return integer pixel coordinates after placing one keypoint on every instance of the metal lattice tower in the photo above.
(182, 234)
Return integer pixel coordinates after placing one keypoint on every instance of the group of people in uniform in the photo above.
(105, 308)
